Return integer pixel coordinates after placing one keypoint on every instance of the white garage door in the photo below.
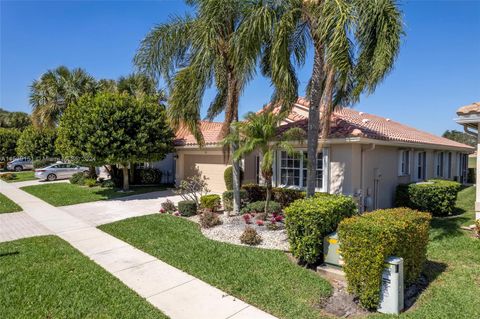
(211, 166)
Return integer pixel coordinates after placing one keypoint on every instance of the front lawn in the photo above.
(7, 205)
(23, 176)
(63, 194)
(45, 277)
(264, 278)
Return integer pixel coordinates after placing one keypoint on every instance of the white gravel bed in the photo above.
(232, 228)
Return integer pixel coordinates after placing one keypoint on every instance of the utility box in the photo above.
(331, 250)
(391, 294)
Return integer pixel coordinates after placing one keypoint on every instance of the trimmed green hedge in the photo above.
(283, 196)
(435, 196)
(259, 207)
(212, 202)
(187, 208)
(367, 240)
(228, 177)
(309, 220)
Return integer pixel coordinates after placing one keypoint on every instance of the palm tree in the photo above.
(193, 52)
(355, 44)
(55, 90)
(260, 132)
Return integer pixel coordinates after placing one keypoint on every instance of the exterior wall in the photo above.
(209, 163)
(344, 169)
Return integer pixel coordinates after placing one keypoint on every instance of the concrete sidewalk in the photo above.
(174, 292)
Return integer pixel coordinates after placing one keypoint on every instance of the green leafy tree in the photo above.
(8, 143)
(37, 143)
(114, 128)
(260, 132)
(355, 44)
(55, 90)
(460, 137)
(18, 120)
(195, 51)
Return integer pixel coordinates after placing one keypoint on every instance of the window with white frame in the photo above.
(440, 164)
(293, 170)
(421, 165)
(404, 163)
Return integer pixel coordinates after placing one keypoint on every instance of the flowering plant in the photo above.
(247, 218)
(259, 222)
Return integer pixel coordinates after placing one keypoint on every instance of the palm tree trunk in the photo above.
(231, 116)
(314, 119)
(269, 194)
(125, 177)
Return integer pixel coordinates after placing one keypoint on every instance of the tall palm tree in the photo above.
(193, 52)
(355, 44)
(55, 90)
(260, 132)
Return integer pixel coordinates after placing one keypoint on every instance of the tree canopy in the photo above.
(114, 128)
(460, 137)
(18, 120)
(37, 143)
(8, 143)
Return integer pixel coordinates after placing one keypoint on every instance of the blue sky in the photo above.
(437, 71)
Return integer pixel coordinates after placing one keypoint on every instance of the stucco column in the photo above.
(477, 182)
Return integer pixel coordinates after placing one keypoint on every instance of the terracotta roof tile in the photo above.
(473, 108)
(210, 130)
(347, 122)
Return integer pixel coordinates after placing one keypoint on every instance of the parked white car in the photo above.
(20, 164)
(58, 171)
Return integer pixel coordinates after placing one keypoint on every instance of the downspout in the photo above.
(362, 177)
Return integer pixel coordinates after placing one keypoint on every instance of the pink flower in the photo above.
(177, 213)
(259, 222)
(162, 211)
(247, 218)
(273, 220)
(279, 218)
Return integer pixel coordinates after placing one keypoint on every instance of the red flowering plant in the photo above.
(247, 218)
(259, 222)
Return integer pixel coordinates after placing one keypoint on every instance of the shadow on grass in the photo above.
(7, 254)
(431, 271)
(447, 227)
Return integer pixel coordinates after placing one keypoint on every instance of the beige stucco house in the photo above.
(365, 155)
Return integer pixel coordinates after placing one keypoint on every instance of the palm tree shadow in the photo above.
(447, 227)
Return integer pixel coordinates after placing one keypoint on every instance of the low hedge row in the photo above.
(283, 196)
(435, 196)
(259, 207)
(187, 208)
(309, 220)
(211, 202)
(367, 240)
(227, 198)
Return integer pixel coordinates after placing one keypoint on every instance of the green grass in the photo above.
(44, 277)
(23, 176)
(453, 267)
(7, 205)
(269, 281)
(62, 194)
(264, 278)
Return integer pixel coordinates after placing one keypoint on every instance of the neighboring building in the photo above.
(365, 155)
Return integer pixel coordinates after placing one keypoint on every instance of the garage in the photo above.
(210, 165)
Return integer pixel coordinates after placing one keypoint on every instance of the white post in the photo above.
(477, 182)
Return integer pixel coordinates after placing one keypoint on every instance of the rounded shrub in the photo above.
(90, 182)
(367, 240)
(78, 178)
(255, 192)
(228, 177)
(211, 202)
(250, 237)
(148, 176)
(187, 208)
(286, 196)
(8, 176)
(228, 199)
(309, 220)
(437, 197)
(259, 207)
